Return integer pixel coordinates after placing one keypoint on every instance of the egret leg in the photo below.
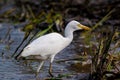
(50, 70)
(50, 67)
(39, 67)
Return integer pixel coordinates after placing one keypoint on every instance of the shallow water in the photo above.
(10, 69)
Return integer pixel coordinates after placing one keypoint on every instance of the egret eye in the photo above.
(75, 27)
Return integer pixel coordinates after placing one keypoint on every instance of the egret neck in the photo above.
(69, 33)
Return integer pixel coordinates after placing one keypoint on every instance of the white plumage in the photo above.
(46, 45)
(49, 45)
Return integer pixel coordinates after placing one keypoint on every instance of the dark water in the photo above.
(10, 69)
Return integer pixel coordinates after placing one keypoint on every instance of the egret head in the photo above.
(75, 25)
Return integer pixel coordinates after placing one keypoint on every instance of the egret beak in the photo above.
(83, 27)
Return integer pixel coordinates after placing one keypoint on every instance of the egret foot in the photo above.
(39, 67)
(36, 74)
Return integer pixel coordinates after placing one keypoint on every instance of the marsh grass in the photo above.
(100, 62)
(103, 62)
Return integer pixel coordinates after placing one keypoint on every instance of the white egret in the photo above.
(47, 46)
